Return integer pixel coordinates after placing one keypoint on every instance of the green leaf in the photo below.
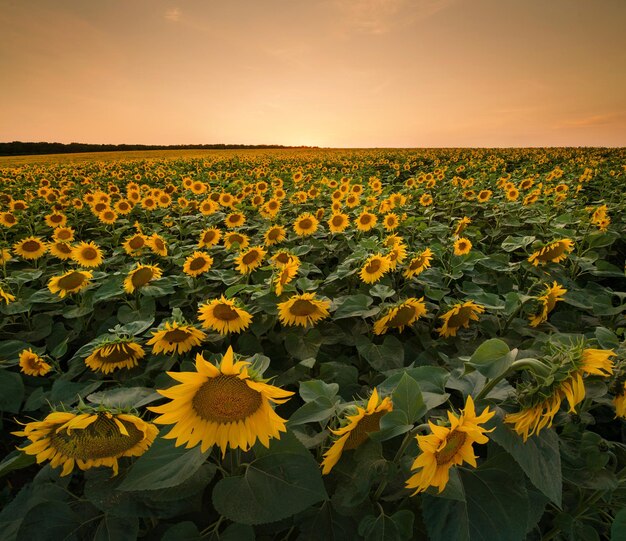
(539, 457)
(10, 350)
(112, 528)
(275, 486)
(319, 410)
(183, 531)
(49, 521)
(407, 398)
(382, 291)
(510, 244)
(382, 357)
(396, 527)
(606, 338)
(303, 345)
(125, 397)
(16, 461)
(353, 306)
(163, 466)
(315, 388)
(492, 358)
(618, 528)
(11, 391)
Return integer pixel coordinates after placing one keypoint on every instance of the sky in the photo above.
(332, 73)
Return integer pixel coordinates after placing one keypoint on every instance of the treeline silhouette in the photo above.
(19, 148)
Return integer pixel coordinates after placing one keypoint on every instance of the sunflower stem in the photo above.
(534, 365)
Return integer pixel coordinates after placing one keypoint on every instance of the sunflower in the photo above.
(448, 447)
(234, 219)
(157, 244)
(197, 263)
(305, 225)
(32, 364)
(87, 440)
(462, 246)
(391, 221)
(249, 260)
(63, 234)
(30, 248)
(401, 315)
(554, 252)
(7, 219)
(548, 300)
(223, 405)
(426, 200)
(338, 222)
(459, 316)
(224, 316)
(236, 240)
(283, 257)
(303, 310)
(5, 296)
(5, 256)
(357, 429)
(107, 216)
(135, 243)
(620, 401)
(418, 264)
(61, 250)
(56, 219)
(366, 221)
(285, 275)
(110, 356)
(484, 196)
(275, 235)
(87, 254)
(70, 282)
(140, 276)
(123, 207)
(175, 338)
(209, 237)
(374, 268)
(461, 225)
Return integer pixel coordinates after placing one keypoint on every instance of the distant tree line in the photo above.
(19, 148)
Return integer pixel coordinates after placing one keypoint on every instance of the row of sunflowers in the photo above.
(375, 344)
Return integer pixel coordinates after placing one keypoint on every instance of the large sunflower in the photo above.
(548, 300)
(234, 219)
(459, 316)
(418, 264)
(87, 440)
(275, 235)
(221, 405)
(224, 316)
(110, 356)
(63, 234)
(305, 225)
(175, 338)
(338, 222)
(554, 252)
(87, 254)
(32, 364)
(250, 259)
(447, 447)
(7, 219)
(374, 268)
(140, 276)
(30, 248)
(209, 237)
(357, 429)
(70, 282)
(366, 221)
(303, 310)
(197, 264)
(61, 250)
(401, 315)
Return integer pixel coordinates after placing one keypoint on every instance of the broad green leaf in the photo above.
(124, 397)
(492, 358)
(50, 521)
(112, 528)
(11, 391)
(16, 460)
(396, 527)
(353, 306)
(381, 357)
(618, 528)
(303, 344)
(326, 523)
(407, 397)
(314, 389)
(183, 531)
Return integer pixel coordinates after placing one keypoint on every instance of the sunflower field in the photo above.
(314, 345)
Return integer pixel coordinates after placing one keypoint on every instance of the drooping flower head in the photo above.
(356, 429)
(87, 440)
(32, 364)
(5, 296)
(447, 447)
(552, 294)
(418, 264)
(401, 315)
(225, 405)
(224, 316)
(70, 282)
(286, 273)
(141, 276)
(374, 268)
(175, 337)
(111, 355)
(459, 316)
(554, 252)
(303, 310)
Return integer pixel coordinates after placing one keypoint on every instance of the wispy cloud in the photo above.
(595, 120)
(173, 15)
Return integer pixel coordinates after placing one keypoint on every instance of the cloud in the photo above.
(595, 120)
(173, 15)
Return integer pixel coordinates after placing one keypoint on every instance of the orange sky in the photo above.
(342, 73)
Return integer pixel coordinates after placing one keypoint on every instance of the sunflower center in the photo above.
(224, 312)
(402, 317)
(64, 248)
(236, 238)
(306, 223)
(136, 242)
(72, 281)
(373, 266)
(282, 258)
(365, 220)
(89, 253)
(158, 243)
(31, 246)
(454, 442)
(552, 252)
(250, 257)
(226, 399)
(273, 234)
(176, 336)
(63, 234)
(417, 263)
(337, 221)
(303, 308)
(369, 423)
(457, 320)
(142, 276)
(101, 439)
(197, 264)
(208, 237)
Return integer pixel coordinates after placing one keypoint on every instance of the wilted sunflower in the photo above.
(87, 254)
(418, 264)
(175, 338)
(462, 246)
(448, 447)
(286, 273)
(197, 264)
(250, 259)
(374, 268)
(30, 248)
(70, 282)
(238, 240)
(548, 300)
(224, 316)
(459, 316)
(223, 405)
(275, 235)
(554, 252)
(401, 315)
(32, 364)
(366, 221)
(305, 225)
(209, 237)
(5, 296)
(140, 276)
(303, 310)
(87, 440)
(113, 355)
(357, 429)
(61, 250)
